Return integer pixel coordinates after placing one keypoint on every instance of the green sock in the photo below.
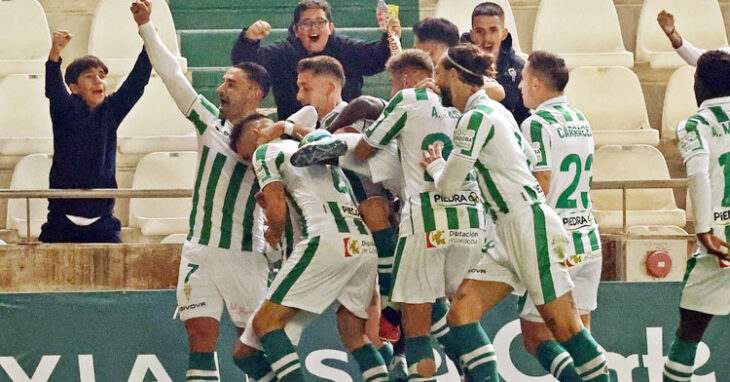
(476, 351)
(417, 349)
(256, 366)
(283, 356)
(202, 368)
(555, 359)
(386, 351)
(371, 364)
(590, 362)
(385, 245)
(680, 362)
(440, 330)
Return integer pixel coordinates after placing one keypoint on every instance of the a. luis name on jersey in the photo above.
(574, 131)
(725, 129)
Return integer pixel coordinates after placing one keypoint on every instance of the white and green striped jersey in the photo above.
(562, 140)
(224, 197)
(326, 121)
(485, 137)
(708, 133)
(415, 118)
(319, 196)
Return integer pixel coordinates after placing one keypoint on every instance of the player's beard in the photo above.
(446, 97)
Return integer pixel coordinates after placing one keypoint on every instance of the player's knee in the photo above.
(202, 334)
(263, 324)
(426, 368)
(241, 350)
(375, 212)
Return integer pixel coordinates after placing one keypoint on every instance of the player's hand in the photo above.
(429, 83)
(60, 40)
(666, 21)
(433, 153)
(714, 245)
(394, 26)
(141, 10)
(261, 201)
(269, 133)
(273, 237)
(258, 30)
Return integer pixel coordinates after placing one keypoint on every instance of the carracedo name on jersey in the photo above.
(574, 131)
(440, 238)
(355, 247)
(458, 199)
(577, 220)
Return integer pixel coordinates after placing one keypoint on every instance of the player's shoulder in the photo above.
(415, 98)
(275, 149)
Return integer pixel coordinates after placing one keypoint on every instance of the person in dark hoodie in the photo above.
(489, 33)
(85, 124)
(311, 33)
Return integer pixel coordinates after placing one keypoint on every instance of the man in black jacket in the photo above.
(311, 33)
(85, 125)
(489, 33)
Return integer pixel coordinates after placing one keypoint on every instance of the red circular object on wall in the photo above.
(658, 263)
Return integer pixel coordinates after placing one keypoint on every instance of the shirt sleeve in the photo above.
(689, 140)
(538, 135)
(133, 87)
(56, 91)
(389, 124)
(473, 131)
(689, 52)
(267, 161)
(371, 55)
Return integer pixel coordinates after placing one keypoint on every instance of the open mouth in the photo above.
(224, 102)
(314, 37)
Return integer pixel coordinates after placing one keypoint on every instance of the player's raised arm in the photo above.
(687, 51)
(55, 89)
(162, 59)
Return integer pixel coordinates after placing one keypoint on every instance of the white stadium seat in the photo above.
(175, 238)
(699, 21)
(644, 206)
(114, 37)
(158, 217)
(612, 100)
(31, 173)
(25, 121)
(679, 100)
(459, 12)
(26, 38)
(583, 32)
(155, 124)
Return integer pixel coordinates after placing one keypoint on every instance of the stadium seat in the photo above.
(25, 122)
(114, 37)
(160, 217)
(699, 21)
(612, 100)
(175, 238)
(155, 124)
(679, 100)
(583, 32)
(459, 12)
(31, 173)
(670, 255)
(644, 206)
(26, 37)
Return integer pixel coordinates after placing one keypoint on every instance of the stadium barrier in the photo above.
(132, 336)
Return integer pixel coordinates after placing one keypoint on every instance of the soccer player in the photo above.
(704, 145)
(334, 259)
(218, 265)
(563, 143)
(684, 48)
(439, 233)
(85, 125)
(531, 233)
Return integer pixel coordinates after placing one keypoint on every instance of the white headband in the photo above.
(451, 60)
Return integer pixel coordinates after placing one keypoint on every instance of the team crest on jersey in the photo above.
(464, 138)
(435, 239)
(188, 290)
(537, 148)
(573, 260)
(688, 142)
(351, 247)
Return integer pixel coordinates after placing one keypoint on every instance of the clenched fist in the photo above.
(141, 10)
(258, 30)
(60, 40)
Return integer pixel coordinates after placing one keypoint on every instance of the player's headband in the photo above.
(453, 62)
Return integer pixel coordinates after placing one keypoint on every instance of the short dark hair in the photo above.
(409, 59)
(310, 4)
(437, 29)
(240, 127)
(323, 65)
(487, 9)
(258, 75)
(82, 64)
(712, 78)
(471, 58)
(550, 68)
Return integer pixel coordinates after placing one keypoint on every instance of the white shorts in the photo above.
(707, 285)
(530, 249)
(430, 265)
(586, 275)
(210, 276)
(321, 269)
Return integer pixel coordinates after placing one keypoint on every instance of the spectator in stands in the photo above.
(489, 33)
(435, 35)
(312, 32)
(687, 51)
(85, 126)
